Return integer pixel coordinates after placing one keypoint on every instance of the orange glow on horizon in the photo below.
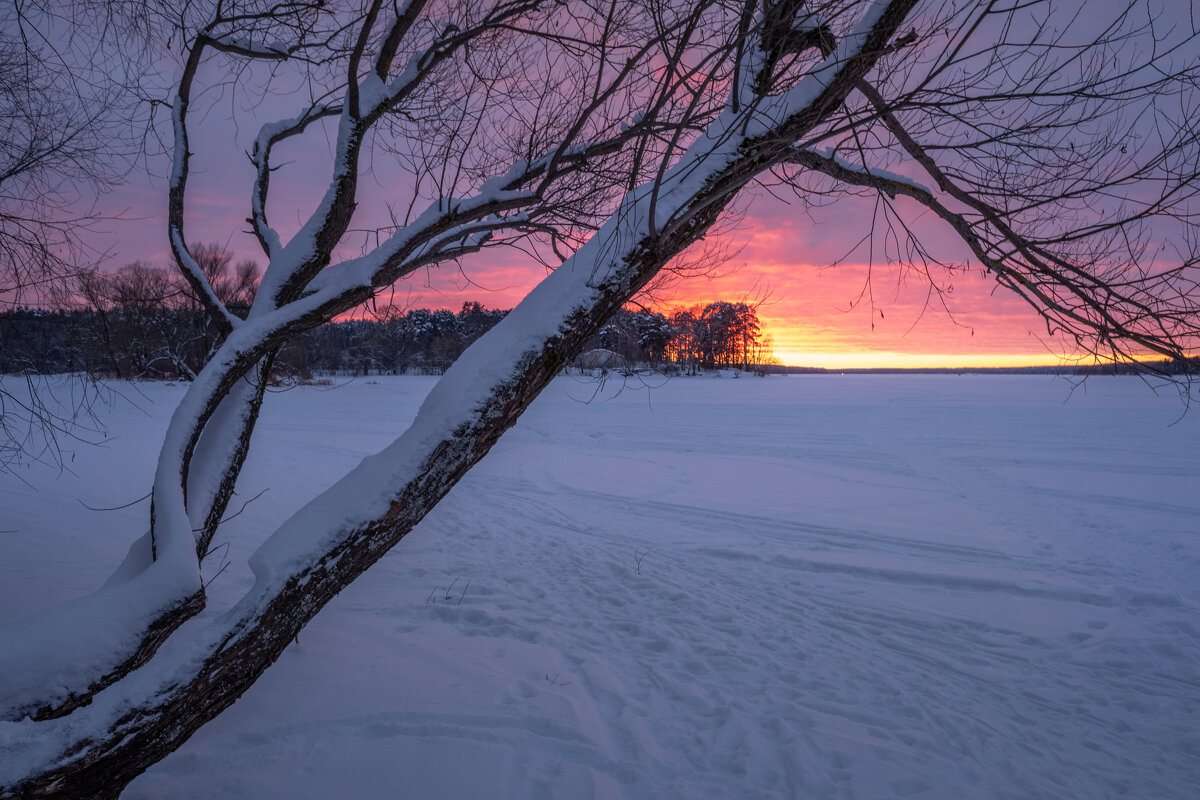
(852, 315)
(808, 316)
(821, 317)
(817, 316)
(887, 360)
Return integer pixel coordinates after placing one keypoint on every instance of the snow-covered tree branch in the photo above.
(551, 125)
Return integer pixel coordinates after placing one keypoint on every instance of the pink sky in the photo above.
(817, 314)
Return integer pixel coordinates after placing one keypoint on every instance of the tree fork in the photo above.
(145, 736)
(233, 469)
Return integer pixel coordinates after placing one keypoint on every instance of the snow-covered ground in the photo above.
(817, 586)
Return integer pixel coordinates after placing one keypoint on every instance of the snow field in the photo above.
(860, 586)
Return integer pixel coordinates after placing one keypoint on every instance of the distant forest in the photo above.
(142, 322)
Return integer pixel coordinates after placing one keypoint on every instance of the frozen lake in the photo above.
(811, 586)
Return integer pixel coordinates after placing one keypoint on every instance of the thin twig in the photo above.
(243, 508)
(114, 508)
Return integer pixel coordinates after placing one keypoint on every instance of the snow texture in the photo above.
(878, 172)
(819, 586)
(62, 650)
(274, 49)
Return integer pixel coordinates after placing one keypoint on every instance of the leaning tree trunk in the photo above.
(146, 735)
(100, 748)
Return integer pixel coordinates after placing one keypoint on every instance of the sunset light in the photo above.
(832, 360)
(817, 315)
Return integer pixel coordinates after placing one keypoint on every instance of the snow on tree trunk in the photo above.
(100, 747)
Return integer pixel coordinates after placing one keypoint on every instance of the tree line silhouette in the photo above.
(142, 322)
